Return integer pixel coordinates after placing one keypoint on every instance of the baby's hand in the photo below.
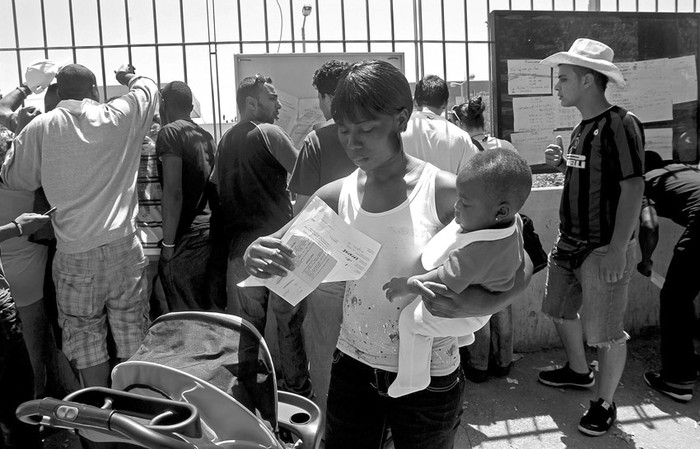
(396, 288)
(418, 288)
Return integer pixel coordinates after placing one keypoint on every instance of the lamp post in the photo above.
(305, 11)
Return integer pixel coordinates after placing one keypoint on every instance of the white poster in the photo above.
(528, 76)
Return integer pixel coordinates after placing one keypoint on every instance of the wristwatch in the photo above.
(24, 89)
(19, 228)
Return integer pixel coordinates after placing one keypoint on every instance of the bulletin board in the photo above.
(292, 75)
(656, 52)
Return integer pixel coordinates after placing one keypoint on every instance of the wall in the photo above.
(533, 330)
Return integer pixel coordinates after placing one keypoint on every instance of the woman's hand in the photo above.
(267, 257)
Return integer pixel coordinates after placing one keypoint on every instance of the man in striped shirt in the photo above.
(590, 265)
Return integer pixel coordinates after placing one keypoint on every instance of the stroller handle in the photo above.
(73, 415)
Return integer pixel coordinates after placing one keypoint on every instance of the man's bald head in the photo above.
(76, 82)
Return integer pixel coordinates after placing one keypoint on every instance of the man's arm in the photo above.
(612, 266)
(648, 238)
(171, 201)
(25, 224)
(9, 103)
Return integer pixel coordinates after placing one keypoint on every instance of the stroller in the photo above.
(199, 380)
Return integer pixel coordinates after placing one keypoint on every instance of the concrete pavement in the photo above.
(518, 412)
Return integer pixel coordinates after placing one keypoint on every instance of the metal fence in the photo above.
(195, 40)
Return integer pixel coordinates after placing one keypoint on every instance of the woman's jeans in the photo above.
(359, 409)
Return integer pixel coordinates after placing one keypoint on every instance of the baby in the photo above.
(483, 245)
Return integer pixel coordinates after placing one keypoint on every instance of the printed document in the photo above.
(327, 250)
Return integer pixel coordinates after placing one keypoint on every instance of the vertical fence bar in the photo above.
(17, 52)
(318, 29)
(267, 27)
(415, 38)
(369, 38)
(128, 31)
(72, 29)
(182, 33)
(342, 21)
(393, 29)
(444, 44)
(102, 49)
(216, 69)
(466, 40)
(155, 37)
(240, 28)
(291, 21)
(211, 69)
(43, 30)
(419, 19)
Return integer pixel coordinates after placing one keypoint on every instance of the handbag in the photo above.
(533, 245)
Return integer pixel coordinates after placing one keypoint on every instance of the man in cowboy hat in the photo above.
(590, 265)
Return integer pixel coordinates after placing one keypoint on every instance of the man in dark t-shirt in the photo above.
(185, 155)
(254, 160)
(322, 159)
(673, 191)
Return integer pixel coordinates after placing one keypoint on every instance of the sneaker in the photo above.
(566, 377)
(655, 381)
(599, 418)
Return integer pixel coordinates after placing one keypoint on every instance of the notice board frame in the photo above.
(633, 36)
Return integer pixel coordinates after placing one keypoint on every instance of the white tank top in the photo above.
(369, 331)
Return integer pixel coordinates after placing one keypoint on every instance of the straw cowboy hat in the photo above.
(590, 54)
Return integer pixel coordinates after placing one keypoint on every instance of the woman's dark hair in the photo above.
(368, 89)
(471, 114)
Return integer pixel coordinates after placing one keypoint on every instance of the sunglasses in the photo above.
(262, 79)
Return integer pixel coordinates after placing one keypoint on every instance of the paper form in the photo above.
(565, 117)
(684, 79)
(532, 144)
(348, 253)
(528, 76)
(659, 140)
(533, 113)
(312, 264)
(648, 92)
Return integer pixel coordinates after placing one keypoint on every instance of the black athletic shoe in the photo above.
(655, 381)
(566, 377)
(599, 418)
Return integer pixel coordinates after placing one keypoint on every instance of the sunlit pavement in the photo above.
(518, 412)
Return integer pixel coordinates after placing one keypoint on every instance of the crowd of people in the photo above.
(442, 199)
